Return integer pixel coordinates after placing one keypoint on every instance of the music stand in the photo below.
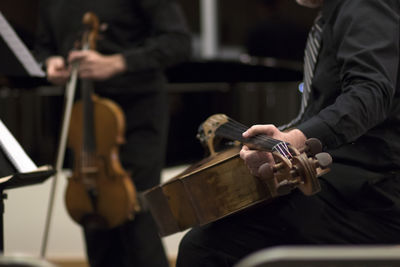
(15, 181)
(16, 170)
(16, 58)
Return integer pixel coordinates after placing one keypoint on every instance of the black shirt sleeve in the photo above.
(365, 36)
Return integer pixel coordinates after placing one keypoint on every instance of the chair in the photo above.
(324, 256)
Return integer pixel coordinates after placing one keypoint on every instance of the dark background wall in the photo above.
(236, 17)
(22, 14)
(33, 112)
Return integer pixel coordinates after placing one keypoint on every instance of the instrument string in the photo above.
(279, 145)
(265, 139)
(233, 130)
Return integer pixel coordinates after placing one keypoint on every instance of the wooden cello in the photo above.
(100, 192)
(221, 184)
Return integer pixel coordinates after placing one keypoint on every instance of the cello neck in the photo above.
(233, 130)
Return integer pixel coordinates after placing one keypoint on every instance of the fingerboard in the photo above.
(89, 144)
(233, 130)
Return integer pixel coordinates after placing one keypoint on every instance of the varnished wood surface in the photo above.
(205, 192)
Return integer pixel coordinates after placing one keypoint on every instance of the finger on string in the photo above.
(267, 129)
(233, 128)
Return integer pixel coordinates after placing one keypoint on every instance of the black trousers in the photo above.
(136, 243)
(355, 206)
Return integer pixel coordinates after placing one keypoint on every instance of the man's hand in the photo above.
(95, 66)
(254, 159)
(294, 137)
(57, 72)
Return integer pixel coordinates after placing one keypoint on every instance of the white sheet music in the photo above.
(21, 161)
(19, 48)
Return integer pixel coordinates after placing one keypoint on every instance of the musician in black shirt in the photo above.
(138, 39)
(353, 109)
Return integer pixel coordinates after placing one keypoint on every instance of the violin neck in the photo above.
(89, 140)
(233, 130)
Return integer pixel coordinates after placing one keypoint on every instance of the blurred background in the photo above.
(221, 77)
(246, 63)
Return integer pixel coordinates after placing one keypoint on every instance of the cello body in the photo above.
(215, 187)
(221, 184)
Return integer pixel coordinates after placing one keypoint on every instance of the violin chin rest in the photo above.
(93, 221)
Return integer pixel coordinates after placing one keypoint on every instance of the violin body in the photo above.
(100, 192)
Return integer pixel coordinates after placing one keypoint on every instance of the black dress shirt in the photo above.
(150, 34)
(354, 106)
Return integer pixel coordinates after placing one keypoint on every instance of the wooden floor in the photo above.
(70, 263)
(82, 263)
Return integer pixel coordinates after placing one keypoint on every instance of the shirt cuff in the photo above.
(317, 128)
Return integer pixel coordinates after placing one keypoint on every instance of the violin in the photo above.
(221, 185)
(100, 193)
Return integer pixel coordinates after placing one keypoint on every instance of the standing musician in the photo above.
(351, 103)
(138, 39)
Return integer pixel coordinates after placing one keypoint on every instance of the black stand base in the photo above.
(2, 196)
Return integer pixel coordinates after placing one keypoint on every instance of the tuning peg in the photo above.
(268, 177)
(312, 147)
(323, 159)
(266, 171)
